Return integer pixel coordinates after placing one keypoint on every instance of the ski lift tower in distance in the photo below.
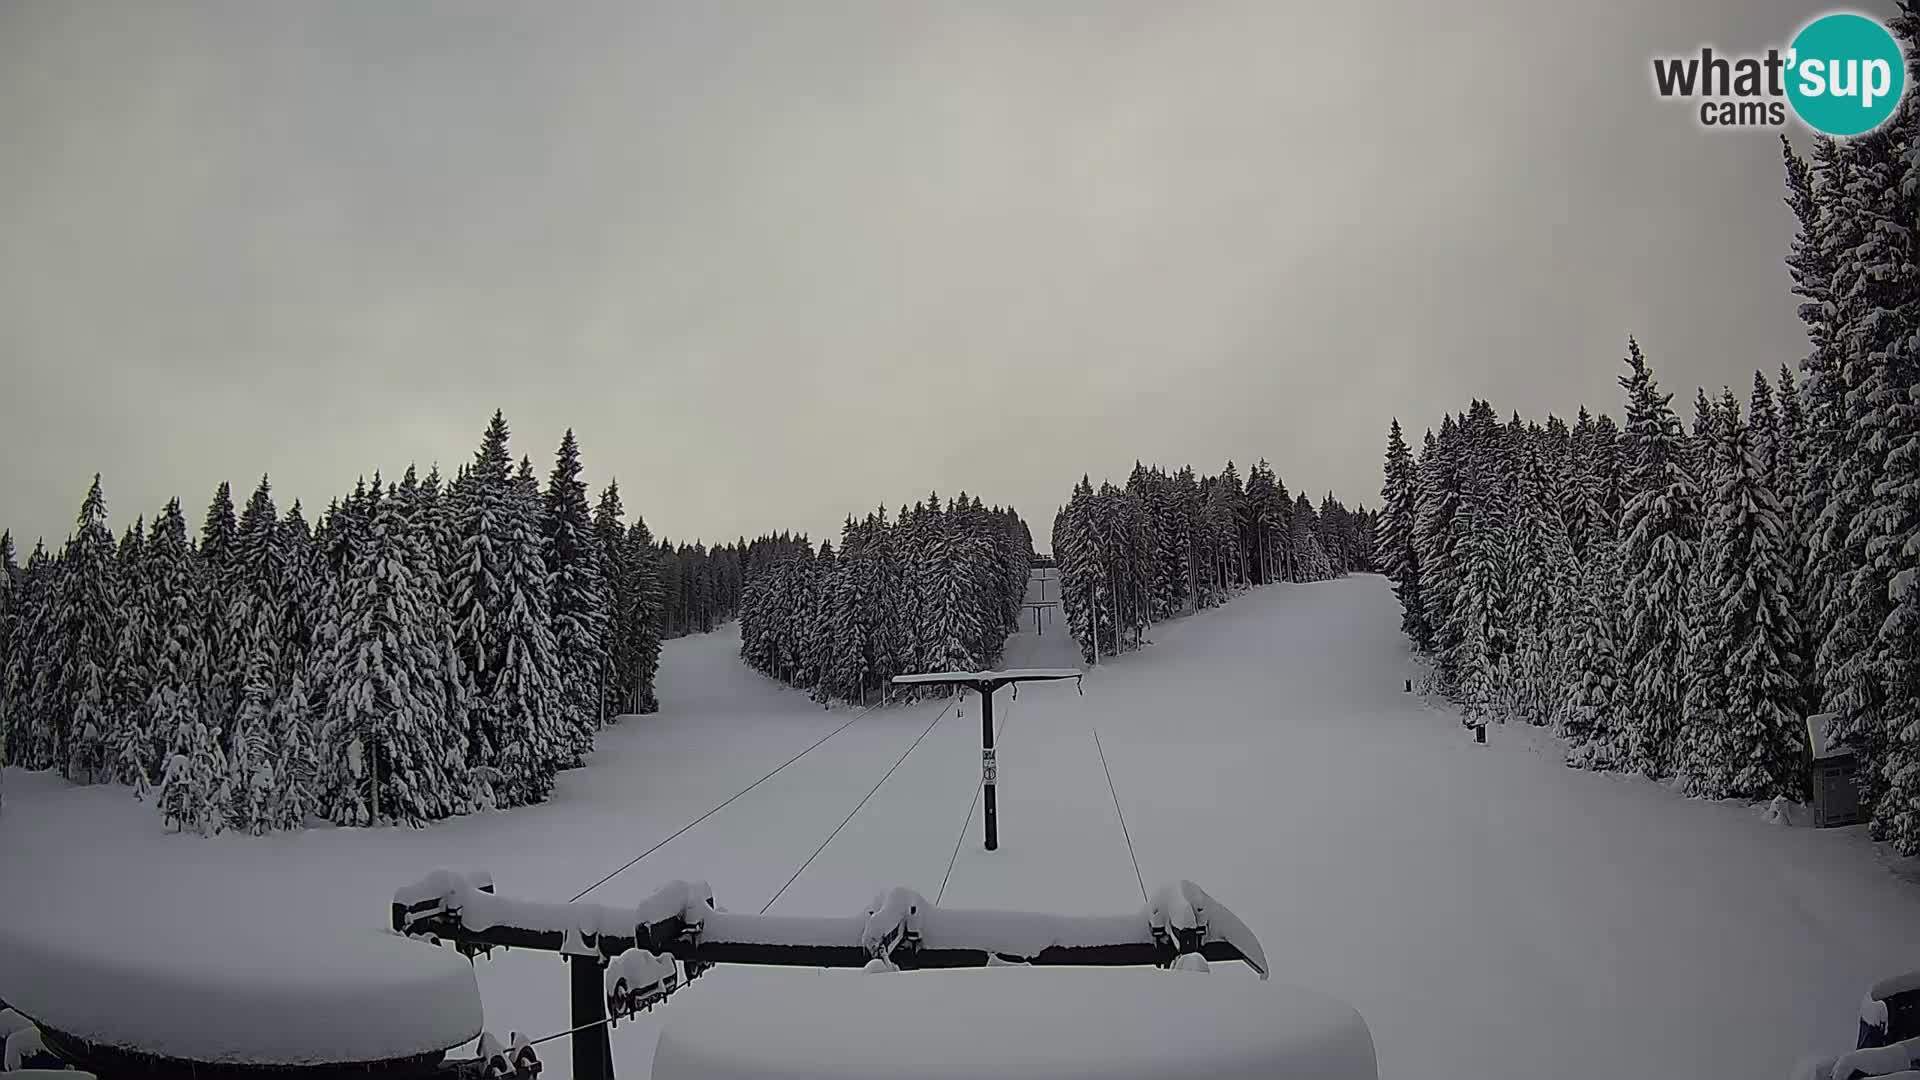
(986, 682)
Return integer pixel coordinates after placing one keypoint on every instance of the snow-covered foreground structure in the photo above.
(1487, 911)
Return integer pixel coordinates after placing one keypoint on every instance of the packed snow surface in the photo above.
(1031, 1023)
(256, 991)
(1489, 912)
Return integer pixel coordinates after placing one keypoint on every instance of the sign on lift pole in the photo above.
(985, 683)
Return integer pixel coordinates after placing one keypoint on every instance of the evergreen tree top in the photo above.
(218, 528)
(492, 461)
(93, 509)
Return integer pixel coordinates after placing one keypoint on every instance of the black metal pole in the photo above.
(592, 1049)
(988, 767)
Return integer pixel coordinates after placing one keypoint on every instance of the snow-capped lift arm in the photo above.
(900, 930)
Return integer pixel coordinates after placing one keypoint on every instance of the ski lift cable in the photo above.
(856, 809)
(967, 822)
(1119, 813)
(570, 1031)
(689, 825)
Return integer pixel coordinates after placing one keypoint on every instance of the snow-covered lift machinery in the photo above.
(623, 959)
(985, 683)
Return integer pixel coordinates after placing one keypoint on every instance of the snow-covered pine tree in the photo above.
(1395, 551)
(579, 596)
(1660, 528)
(84, 621)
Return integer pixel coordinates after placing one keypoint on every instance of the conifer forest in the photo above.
(1676, 596)
(422, 648)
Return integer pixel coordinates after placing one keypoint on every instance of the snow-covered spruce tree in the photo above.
(1700, 440)
(130, 758)
(1483, 645)
(28, 682)
(1395, 551)
(950, 618)
(1756, 625)
(824, 650)
(10, 585)
(1660, 528)
(255, 629)
(1595, 716)
(1537, 568)
(220, 682)
(170, 586)
(1313, 564)
(641, 617)
(1897, 545)
(525, 699)
(486, 509)
(1079, 574)
(84, 624)
(1578, 491)
(848, 667)
(423, 506)
(1877, 317)
(617, 573)
(1436, 507)
(579, 596)
(383, 737)
(1700, 761)
(193, 788)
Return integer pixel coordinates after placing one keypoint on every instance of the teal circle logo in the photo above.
(1846, 74)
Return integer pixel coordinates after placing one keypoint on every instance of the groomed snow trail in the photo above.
(1490, 912)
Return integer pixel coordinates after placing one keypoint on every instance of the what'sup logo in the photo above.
(1843, 74)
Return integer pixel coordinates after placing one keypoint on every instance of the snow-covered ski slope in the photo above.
(1490, 912)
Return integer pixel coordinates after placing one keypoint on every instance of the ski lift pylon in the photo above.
(985, 683)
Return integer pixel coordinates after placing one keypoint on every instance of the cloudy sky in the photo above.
(775, 262)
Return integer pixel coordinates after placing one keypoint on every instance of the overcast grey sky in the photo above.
(777, 262)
